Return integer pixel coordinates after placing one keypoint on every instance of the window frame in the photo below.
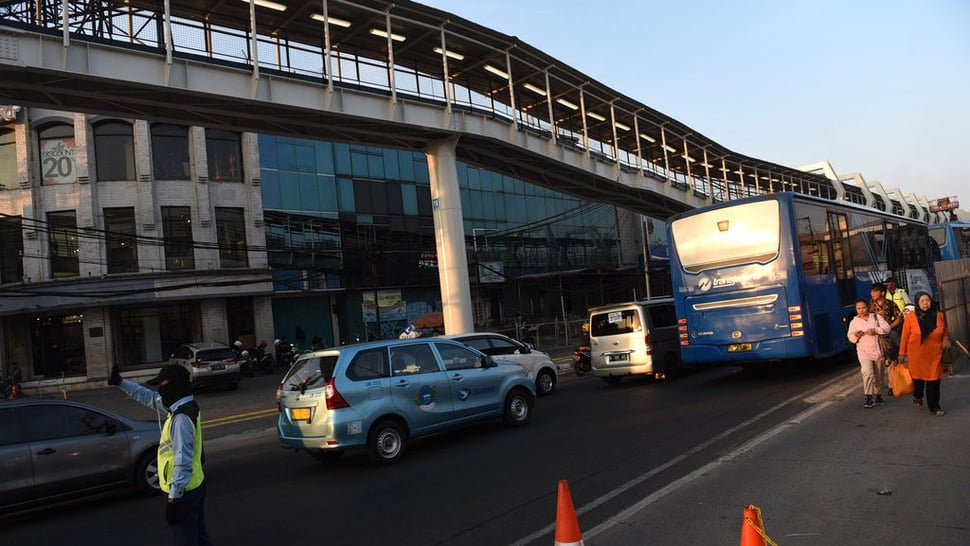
(179, 249)
(114, 150)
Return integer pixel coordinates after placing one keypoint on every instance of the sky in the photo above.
(881, 88)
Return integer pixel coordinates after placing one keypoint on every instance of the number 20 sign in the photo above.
(57, 161)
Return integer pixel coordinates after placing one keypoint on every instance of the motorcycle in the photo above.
(581, 360)
(262, 361)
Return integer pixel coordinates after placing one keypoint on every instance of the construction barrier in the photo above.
(567, 524)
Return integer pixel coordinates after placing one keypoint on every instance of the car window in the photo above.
(614, 322)
(213, 355)
(10, 432)
(310, 373)
(183, 352)
(503, 346)
(458, 358)
(370, 364)
(413, 359)
(54, 421)
(480, 343)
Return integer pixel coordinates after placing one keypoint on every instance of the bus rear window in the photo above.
(614, 323)
(729, 236)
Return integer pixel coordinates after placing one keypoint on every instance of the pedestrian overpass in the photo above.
(380, 73)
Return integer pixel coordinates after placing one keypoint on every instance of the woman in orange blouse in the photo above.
(923, 339)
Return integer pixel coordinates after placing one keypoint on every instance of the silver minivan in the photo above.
(635, 338)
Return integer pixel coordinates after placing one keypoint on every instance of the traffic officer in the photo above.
(897, 295)
(180, 452)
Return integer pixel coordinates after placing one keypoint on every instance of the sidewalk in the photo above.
(838, 474)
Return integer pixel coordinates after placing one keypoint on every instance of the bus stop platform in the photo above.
(835, 474)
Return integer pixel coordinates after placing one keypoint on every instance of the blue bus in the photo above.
(775, 277)
(951, 241)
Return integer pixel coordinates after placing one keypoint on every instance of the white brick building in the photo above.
(121, 239)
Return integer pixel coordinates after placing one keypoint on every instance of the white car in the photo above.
(536, 363)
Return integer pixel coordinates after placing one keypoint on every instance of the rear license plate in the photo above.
(218, 366)
(619, 357)
(300, 414)
(739, 348)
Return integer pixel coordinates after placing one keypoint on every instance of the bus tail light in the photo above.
(646, 339)
(682, 332)
(795, 321)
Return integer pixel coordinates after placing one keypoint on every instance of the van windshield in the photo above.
(614, 322)
(310, 373)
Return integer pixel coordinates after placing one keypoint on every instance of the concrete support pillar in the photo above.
(449, 234)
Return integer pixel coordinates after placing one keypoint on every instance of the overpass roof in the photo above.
(355, 28)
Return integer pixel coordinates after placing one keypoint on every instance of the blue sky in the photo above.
(876, 87)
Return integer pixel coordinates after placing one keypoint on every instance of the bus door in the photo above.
(841, 257)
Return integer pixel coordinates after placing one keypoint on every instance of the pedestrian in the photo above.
(864, 331)
(180, 453)
(895, 294)
(11, 383)
(894, 317)
(921, 347)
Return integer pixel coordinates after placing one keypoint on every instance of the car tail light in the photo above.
(198, 363)
(334, 399)
(279, 394)
(646, 339)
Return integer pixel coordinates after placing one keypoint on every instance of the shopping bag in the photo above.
(900, 380)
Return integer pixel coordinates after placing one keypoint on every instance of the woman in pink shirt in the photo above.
(864, 331)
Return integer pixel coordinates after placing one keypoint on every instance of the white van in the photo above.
(635, 338)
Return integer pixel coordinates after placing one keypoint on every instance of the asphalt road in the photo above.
(487, 484)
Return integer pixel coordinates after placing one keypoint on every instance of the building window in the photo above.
(11, 249)
(8, 159)
(170, 152)
(114, 148)
(57, 154)
(122, 249)
(177, 232)
(62, 228)
(151, 334)
(223, 150)
(230, 223)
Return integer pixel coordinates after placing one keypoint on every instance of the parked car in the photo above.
(536, 363)
(381, 394)
(55, 449)
(634, 338)
(209, 363)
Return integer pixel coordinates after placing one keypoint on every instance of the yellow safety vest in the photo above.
(166, 456)
(898, 297)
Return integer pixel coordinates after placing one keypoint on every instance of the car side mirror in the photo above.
(488, 362)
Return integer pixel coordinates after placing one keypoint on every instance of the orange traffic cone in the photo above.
(752, 528)
(567, 524)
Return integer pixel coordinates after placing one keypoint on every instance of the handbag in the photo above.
(949, 357)
(889, 347)
(901, 381)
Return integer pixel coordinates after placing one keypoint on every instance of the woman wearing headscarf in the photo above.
(921, 346)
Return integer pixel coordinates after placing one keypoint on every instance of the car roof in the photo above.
(207, 345)
(475, 334)
(628, 304)
(27, 402)
(381, 343)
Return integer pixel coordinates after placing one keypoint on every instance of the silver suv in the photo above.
(208, 363)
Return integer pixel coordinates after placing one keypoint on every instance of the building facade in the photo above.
(121, 239)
